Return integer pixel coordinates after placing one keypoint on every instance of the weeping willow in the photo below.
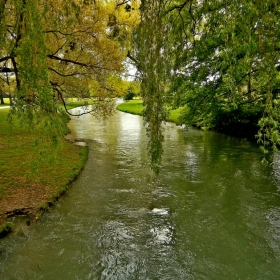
(33, 102)
(210, 57)
(52, 50)
(153, 60)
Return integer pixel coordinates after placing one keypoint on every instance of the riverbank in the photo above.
(135, 107)
(246, 129)
(33, 175)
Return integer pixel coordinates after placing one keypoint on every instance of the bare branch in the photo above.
(178, 7)
(67, 75)
(76, 62)
(122, 3)
(7, 70)
(132, 58)
(5, 58)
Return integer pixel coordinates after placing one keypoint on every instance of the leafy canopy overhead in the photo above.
(52, 50)
(218, 59)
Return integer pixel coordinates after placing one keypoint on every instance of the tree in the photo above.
(233, 65)
(152, 58)
(2, 98)
(218, 59)
(57, 49)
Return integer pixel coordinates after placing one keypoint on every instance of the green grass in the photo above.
(133, 107)
(70, 104)
(136, 107)
(174, 116)
(6, 101)
(26, 162)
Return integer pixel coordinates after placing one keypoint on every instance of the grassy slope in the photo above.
(136, 107)
(29, 167)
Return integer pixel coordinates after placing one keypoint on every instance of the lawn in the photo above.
(136, 107)
(33, 172)
(133, 107)
(6, 101)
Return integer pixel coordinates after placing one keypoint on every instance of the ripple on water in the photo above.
(274, 219)
(212, 213)
(120, 255)
(163, 234)
(160, 211)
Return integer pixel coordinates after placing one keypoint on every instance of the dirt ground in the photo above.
(24, 201)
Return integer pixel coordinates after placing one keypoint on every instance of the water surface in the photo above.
(212, 213)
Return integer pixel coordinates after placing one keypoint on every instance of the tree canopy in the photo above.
(218, 59)
(51, 50)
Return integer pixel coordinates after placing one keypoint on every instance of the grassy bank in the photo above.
(33, 174)
(133, 107)
(136, 107)
(6, 101)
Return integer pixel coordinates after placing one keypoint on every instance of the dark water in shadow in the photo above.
(213, 213)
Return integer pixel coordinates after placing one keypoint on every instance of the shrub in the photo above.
(129, 96)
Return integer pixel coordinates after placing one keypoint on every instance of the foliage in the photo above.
(152, 58)
(22, 155)
(129, 95)
(51, 50)
(218, 59)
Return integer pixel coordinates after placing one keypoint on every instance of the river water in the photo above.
(212, 213)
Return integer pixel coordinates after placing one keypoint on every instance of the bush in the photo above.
(129, 96)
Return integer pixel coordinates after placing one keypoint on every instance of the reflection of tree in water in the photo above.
(276, 169)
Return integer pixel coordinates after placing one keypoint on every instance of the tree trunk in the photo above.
(2, 98)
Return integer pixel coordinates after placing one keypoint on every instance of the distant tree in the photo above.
(129, 95)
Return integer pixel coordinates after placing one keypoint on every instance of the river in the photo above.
(212, 213)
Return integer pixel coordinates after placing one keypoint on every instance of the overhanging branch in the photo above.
(7, 70)
(74, 62)
(5, 58)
